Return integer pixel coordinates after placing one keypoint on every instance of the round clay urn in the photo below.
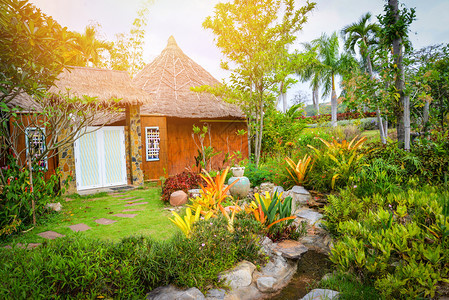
(241, 188)
(238, 171)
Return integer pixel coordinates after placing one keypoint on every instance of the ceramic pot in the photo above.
(238, 171)
(241, 188)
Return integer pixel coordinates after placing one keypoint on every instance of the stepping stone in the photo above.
(125, 215)
(131, 209)
(79, 227)
(118, 195)
(134, 204)
(29, 246)
(129, 198)
(104, 221)
(51, 235)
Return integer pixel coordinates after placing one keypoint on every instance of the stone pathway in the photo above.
(104, 221)
(79, 227)
(135, 204)
(125, 215)
(51, 235)
(131, 209)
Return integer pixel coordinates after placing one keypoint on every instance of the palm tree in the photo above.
(87, 48)
(333, 64)
(364, 35)
(313, 73)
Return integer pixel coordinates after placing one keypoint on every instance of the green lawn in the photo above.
(152, 218)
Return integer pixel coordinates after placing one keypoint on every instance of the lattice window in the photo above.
(153, 140)
(35, 141)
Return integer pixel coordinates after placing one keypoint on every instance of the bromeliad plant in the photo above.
(343, 159)
(271, 210)
(300, 169)
(186, 224)
(213, 194)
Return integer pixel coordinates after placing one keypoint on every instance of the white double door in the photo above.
(100, 159)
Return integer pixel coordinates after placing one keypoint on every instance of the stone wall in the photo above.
(134, 144)
(66, 163)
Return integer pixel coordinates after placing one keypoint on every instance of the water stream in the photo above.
(311, 268)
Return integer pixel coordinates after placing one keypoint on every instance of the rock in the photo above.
(266, 187)
(244, 293)
(170, 292)
(239, 276)
(215, 294)
(300, 196)
(318, 294)
(266, 246)
(178, 198)
(291, 249)
(266, 284)
(279, 268)
(54, 206)
(193, 193)
(310, 215)
(279, 189)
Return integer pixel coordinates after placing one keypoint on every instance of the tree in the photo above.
(313, 72)
(333, 64)
(364, 35)
(253, 37)
(394, 33)
(127, 52)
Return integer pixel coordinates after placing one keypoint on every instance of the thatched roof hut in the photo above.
(100, 83)
(168, 80)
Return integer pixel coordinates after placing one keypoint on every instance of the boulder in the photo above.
(290, 249)
(279, 268)
(170, 292)
(239, 276)
(215, 294)
(266, 284)
(279, 189)
(54, 206)
(178, 198)
(312, 217)
(266, 187)
(266, 246)
(318, 294)
(300, 196)
(244, 293)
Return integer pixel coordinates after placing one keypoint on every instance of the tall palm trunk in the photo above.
(315, 99)
(403, 106)
(333, 103)
(378, 115)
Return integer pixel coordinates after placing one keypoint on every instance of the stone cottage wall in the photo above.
(134, 144)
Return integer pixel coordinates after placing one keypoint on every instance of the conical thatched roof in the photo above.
(168, 80)
(100, 83)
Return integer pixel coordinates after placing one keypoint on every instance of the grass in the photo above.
(152, 218)
(350, 288)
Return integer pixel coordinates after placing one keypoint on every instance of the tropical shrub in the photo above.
(259, 175)
(336, 163)
(299, 170)
(182, 181)
(16, 196)
(398, 242)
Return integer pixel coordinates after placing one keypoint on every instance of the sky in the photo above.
(183, 19)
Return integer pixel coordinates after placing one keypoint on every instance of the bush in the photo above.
(399, 242)
(183, 181)
(79, 267)
(16, 196)
(259, 175)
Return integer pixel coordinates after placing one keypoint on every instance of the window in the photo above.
(35, 141)
(152, 142)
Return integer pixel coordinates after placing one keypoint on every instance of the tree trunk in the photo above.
(381, 127)
(403, 109)
(33, 204)
(407, 122)
(284, 102)
(260, 131)
(425, 118)
(334, 104)
(315, 99)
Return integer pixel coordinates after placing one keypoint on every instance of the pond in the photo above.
(311, 268)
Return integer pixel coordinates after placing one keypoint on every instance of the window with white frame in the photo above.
(35, 143)
(153, 140)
